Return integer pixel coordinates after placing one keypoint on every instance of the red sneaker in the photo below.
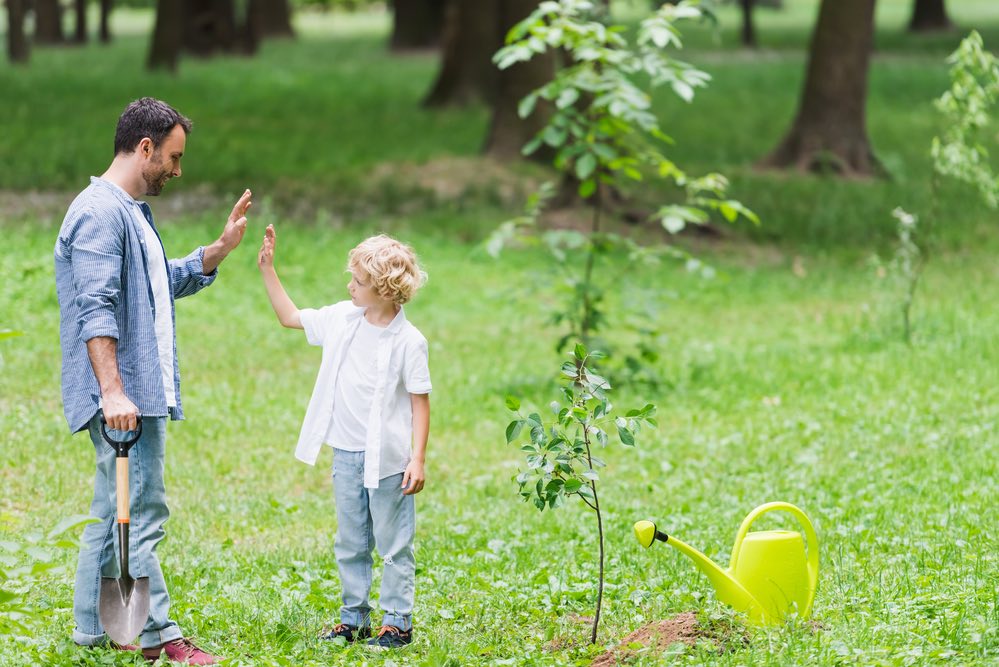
(182, 651)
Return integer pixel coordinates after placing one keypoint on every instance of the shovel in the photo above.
(124, 601)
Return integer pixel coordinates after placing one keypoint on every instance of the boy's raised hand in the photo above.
(265, 258)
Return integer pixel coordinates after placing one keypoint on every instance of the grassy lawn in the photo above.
(783, 379)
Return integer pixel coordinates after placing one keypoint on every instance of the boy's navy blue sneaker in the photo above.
(351, 633)
(390, 636)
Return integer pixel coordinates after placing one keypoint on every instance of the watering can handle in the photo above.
(813, 544)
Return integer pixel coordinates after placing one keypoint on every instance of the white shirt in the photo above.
(355, 391)
(157, 266)
(401, 369)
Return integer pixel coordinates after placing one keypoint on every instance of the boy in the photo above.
(371, 403)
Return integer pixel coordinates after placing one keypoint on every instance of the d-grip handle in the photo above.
(813, 543)
(121, 448)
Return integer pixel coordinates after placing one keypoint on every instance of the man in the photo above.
(116, 292)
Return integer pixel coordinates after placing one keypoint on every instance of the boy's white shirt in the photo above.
(401, 367)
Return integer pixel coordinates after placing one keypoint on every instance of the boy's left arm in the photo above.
(414, 477)
(196, 271)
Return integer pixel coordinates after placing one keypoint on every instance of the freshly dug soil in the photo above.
(660, 634)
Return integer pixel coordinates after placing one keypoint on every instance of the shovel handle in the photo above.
(121, 447)
(121, 488)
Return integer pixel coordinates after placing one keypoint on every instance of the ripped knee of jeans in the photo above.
(387, 560)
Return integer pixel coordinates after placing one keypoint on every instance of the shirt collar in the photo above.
(118, 191)
(394, 327)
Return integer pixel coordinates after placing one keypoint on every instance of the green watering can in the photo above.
(770, 575)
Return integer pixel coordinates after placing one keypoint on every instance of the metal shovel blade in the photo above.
(124, 607)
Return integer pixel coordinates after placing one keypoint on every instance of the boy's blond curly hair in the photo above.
(392, 267)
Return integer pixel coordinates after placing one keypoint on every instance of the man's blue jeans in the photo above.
(99, 549)
(381, 518)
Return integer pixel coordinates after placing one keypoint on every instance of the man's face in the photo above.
(163, 162)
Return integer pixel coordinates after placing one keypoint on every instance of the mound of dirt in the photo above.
(659, 634)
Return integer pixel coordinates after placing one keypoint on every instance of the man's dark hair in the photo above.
(146, 117)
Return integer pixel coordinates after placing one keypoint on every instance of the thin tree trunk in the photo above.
(416, 24)
(48, 22)
(81, 22)
(507, 131)
(928, 16)
(748, 28)
(472, 34)
(105, 29)
(17, 43)
(168, 35)
(830, 130)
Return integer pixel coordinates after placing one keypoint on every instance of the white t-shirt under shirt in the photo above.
(355, 392)
(401, 369)
(159, 281)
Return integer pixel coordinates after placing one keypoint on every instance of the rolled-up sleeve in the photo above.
(97, 248)
(187, 275)
(418, 367)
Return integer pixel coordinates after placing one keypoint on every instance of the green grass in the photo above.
(785, 378)
(775, 387)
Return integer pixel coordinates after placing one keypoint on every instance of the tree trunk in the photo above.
(17, 43)
(270, 18)
(507, 131)
(472, 34)
(105, 30)
(209, 26)
(748, 29)
(48, 22)
(416, 24)
(81, 22)
(168, 35)
(928, 16)
(830, 130)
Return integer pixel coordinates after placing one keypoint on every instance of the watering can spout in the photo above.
(727, 588)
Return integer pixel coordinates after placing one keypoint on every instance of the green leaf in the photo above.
(587, 188)
(512, 403)
(572, 485)
(513, 430)
(579, 352)
(527, 105)
(585, 166)
(626, 436)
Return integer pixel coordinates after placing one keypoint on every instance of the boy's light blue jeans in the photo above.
(99, 547)
(381, 518)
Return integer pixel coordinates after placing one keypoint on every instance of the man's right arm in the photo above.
(97, 242)
(119, 412)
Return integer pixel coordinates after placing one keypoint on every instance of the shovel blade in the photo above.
(124, 607)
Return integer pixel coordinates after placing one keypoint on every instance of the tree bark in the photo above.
(105, 29)
(416, 24)
(748, 29)
(17, 43)
(507, 131)
(929, 16)
(209, 26)
(48, 22)
(80, 36)
(830, 130)
(472, 34)
(270, 18)
(168, 35)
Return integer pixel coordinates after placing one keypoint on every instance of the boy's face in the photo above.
(361, 291)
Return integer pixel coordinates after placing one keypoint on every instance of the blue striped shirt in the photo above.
(103, 286)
